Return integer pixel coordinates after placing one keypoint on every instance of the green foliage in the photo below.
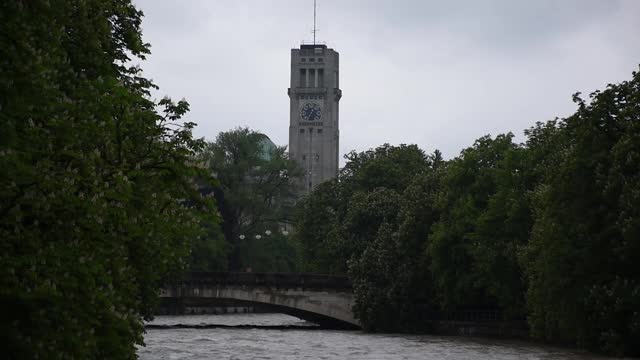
(581, 261)
(484, 220)
(396, 295)
(548, 229)
(374, 216)
(379, 294)
(325, 228)
(275, 252)
(391, 167)
(328, 232)
(315, 226)
(209, 251)
(97, 202)
(255, 189)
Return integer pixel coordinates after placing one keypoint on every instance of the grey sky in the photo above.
(437, 74)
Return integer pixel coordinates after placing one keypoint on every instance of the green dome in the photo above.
(267, 147)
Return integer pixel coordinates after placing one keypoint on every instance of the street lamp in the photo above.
(241, 237)
(268, 232)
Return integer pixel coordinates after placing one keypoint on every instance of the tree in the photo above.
(584, 283)
(255, 192)
(484, 221)
(316, 218)
(209, 251)
(390, 167)
(326, 245)
(372, 223)
(97, 200)
(392, 284)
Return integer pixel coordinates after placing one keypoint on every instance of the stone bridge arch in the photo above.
(323, 299)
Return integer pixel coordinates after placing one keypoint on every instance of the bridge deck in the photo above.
(282, 280)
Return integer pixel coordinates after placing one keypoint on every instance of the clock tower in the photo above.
(314, 95)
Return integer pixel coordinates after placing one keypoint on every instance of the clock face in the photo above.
(311, 112)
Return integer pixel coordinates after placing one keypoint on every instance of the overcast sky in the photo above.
(439, 74)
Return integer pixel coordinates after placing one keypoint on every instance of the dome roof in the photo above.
(267, 147)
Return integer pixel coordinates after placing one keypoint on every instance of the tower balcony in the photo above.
(337, 93)
(311, 90)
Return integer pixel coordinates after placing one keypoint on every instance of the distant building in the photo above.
(267, 147)
(314, 96)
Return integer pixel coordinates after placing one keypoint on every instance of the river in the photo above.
(230, 343)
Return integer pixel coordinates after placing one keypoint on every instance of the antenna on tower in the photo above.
(314, 22)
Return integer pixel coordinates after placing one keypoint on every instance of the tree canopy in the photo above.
(255, 191)
(547, 230)
(581, 259)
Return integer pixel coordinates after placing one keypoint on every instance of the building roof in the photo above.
(313, 46)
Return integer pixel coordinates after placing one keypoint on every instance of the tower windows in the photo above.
(303, 77)
(301, 131)
(313, 77)
(312, 59)
(303, 59)
(319, 131)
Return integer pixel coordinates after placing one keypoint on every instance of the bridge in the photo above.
(322, 299)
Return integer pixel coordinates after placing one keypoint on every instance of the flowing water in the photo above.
(229, 343)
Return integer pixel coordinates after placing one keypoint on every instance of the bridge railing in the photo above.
(268, 279)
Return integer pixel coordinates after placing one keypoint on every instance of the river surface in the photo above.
(229, 343)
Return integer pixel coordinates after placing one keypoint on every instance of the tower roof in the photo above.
(313, 46)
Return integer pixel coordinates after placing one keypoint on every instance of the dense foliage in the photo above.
(582, 258)
(255, 190)
(97, 200)
(484, 220)
(369, 219)
(547, 231)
